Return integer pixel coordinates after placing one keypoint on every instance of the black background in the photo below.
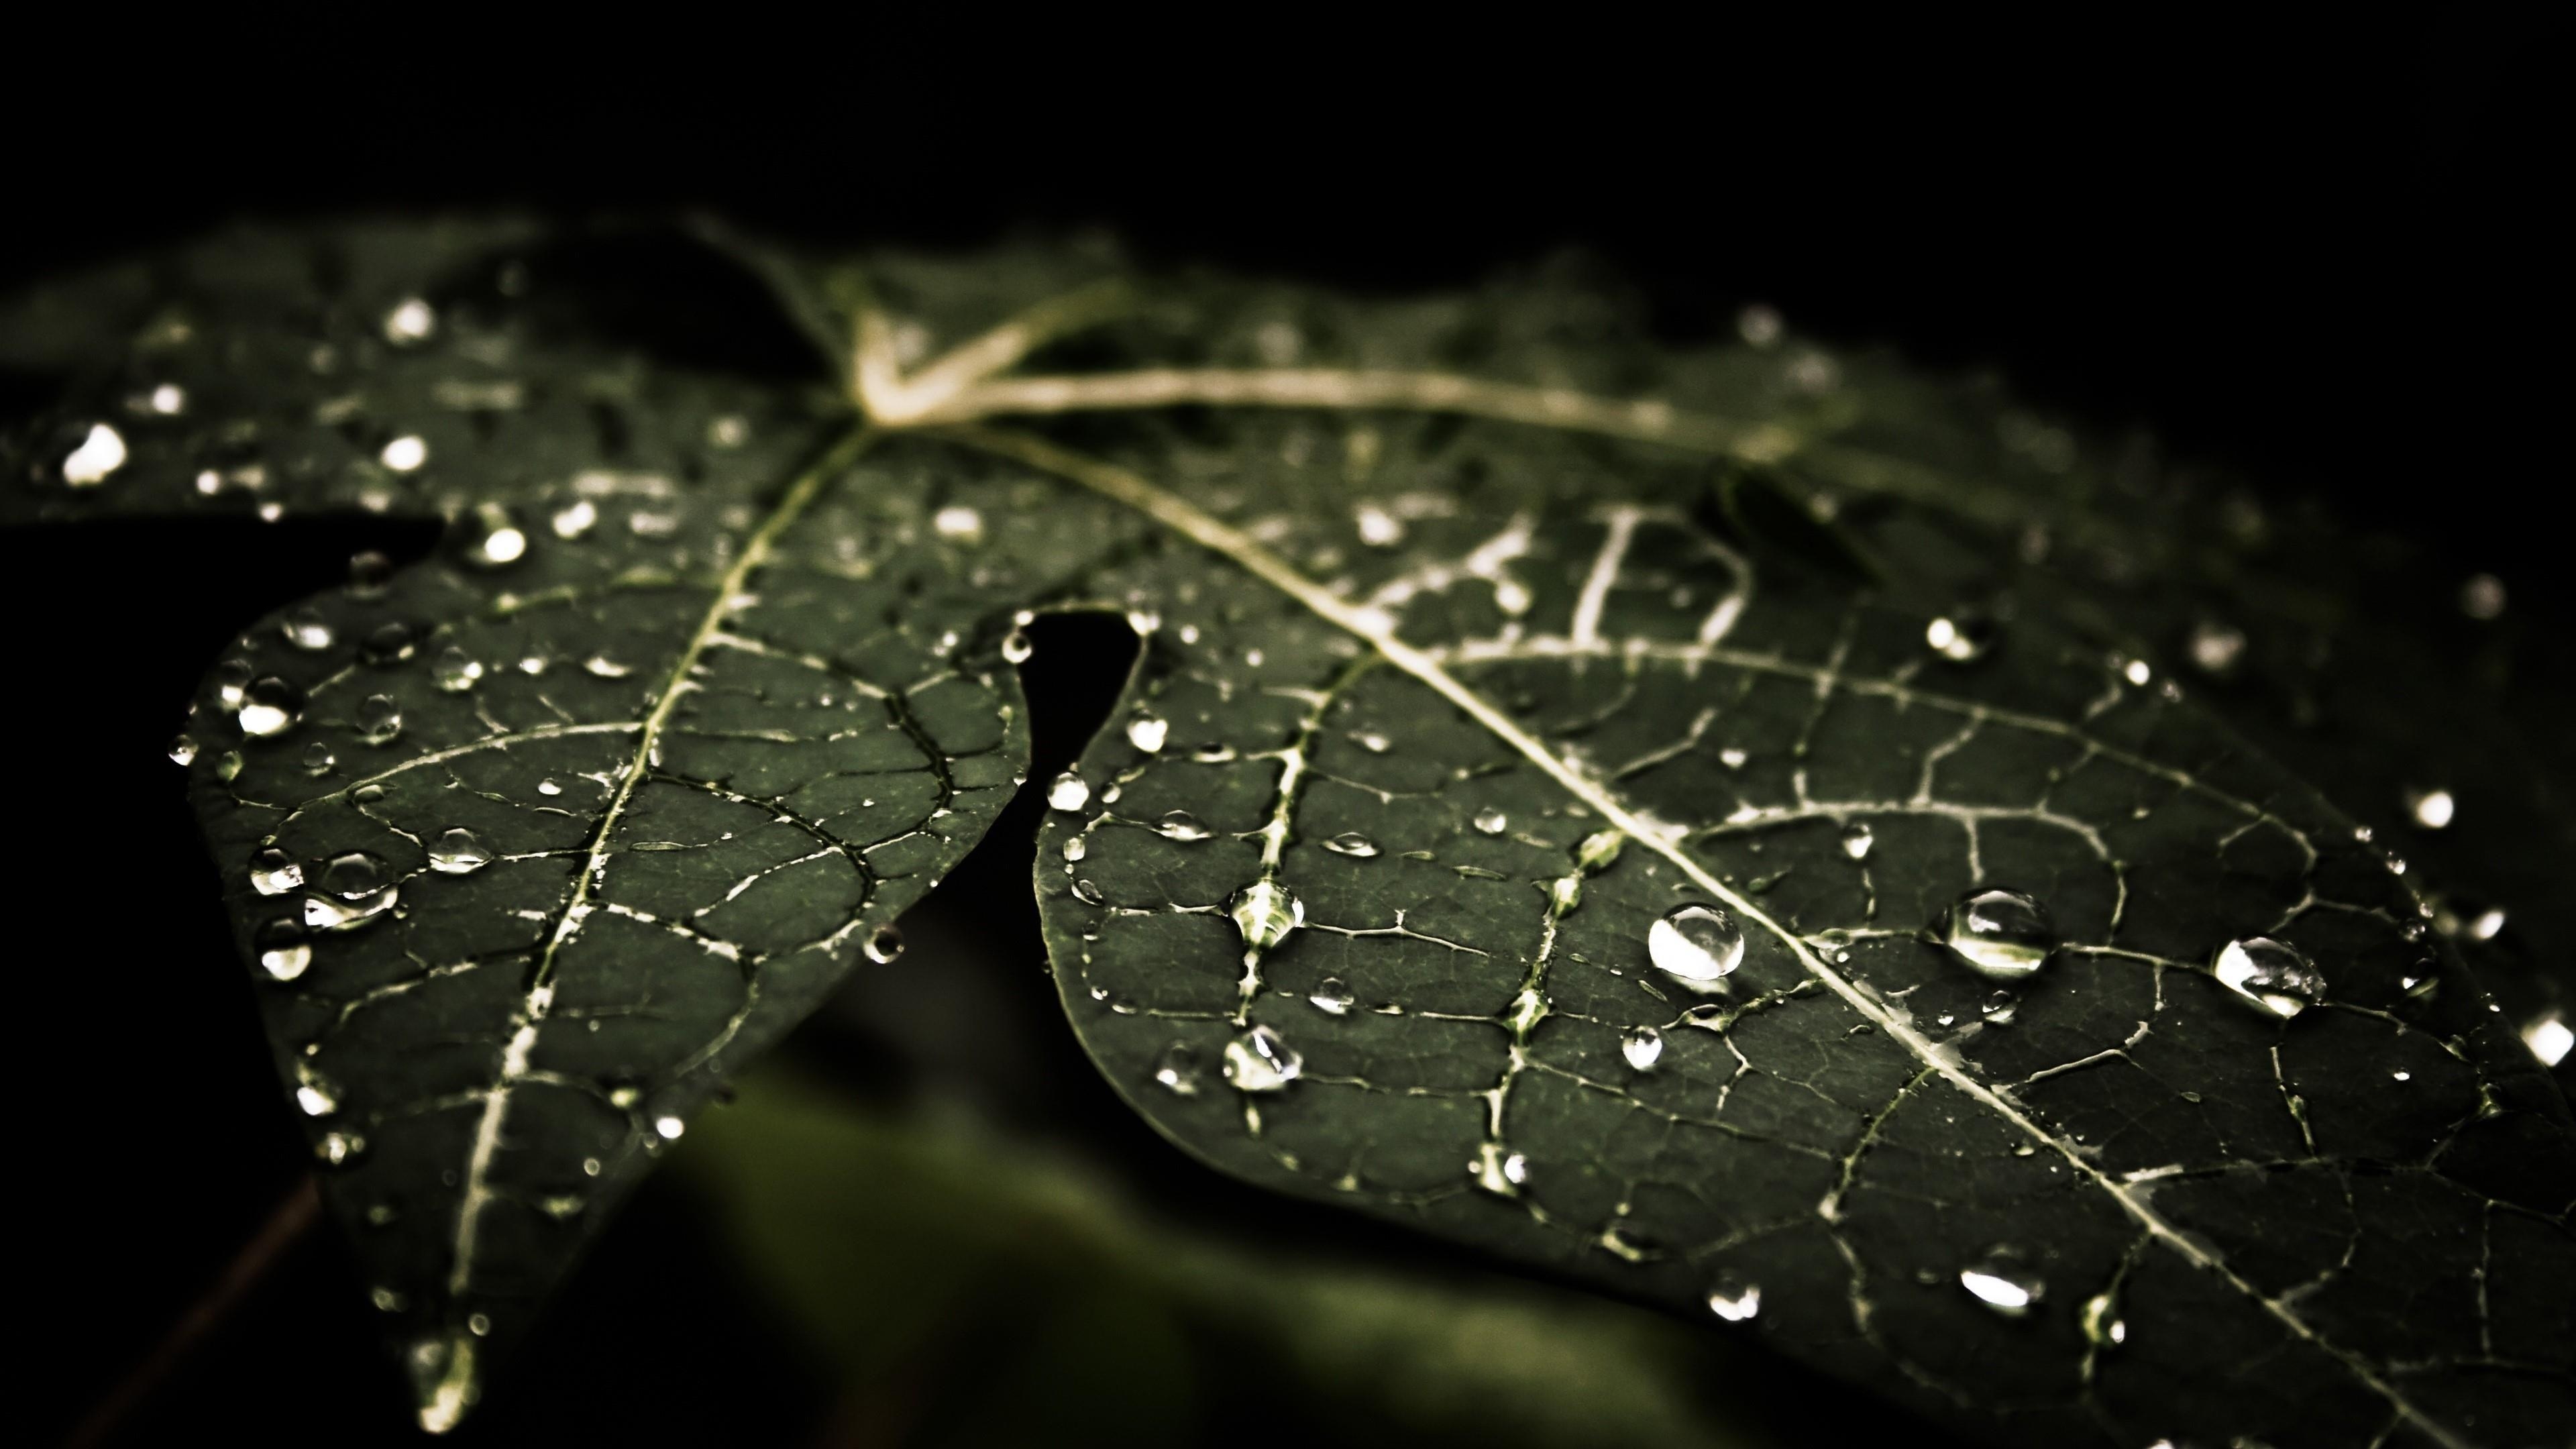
(2322, 261)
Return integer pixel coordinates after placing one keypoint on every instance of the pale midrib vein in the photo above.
(448, 1399)
(1135, 491)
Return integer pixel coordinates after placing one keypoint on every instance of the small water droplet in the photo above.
(1074, 849)
(379, 719)
(959, 524)
(2216, 648)
(405, 454)
(1733, 1299)
(1696, 943)
(183, 750)
(1999, 1008)
(603, 667)
(100, 453)
(387, 643)
(318, 759)
(1961, 636)
(455, 671)
(2271, 974)
(1265, 912)
(338, 1149)
(1857, 839)
(458, 853)
(1147, 732)
(1017, 646)
(1068, 792)
(1732, 758)
(548, 787)
(1599, 849)
(493, 538)
(884, 944)
(283, 949)
(1564, 894)
(669, 1128)
(2482, 597)
(1088, 893)
(2103, 1326)
(273, 872)
(315, 1094)
(228, 765)
(1378, 528)
(1182, 825)
(2001, 933)
(1179, 1069)
(411, 320)
(1491, 821)
(307, 629)
(1371, 741)
(1351, 842)
(1643, 1046)
(1999, 1280)
(269, 707)
(1332, 996)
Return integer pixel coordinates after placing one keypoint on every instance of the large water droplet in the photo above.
(269, 707)
(1182, 825)
(273, 872)
(2001, 1281)
(2549, 1037)
(1147, 732)
(1857, 839)
(458, 853)
(2271, 974)
(2001, 933)
(1259, 1061)
(1695, 943)
(353, 874)
(283, 949)
(1265, 912)
(1351, 842)
(1332, 996)
(1733, 1299)
(1068, 792)
(884, 944)
(1643, 1046)
(379, 719)
(100, 453)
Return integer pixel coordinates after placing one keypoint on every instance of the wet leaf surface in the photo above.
(1490, 839)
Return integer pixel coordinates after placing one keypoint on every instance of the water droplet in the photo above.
(1179, 1069)
(1696, 943)
(2000, 933)
(1564, 894)
(493, 538)
(1857, 839)
(2432, 809)
(283, 949)
(318, 759)
(1961, 636)
(307, 629)
(1378, 528)
(379, 719)
(1599, 849)
(2549, 1037)
(1759, 326)
(458, 853)
(548, 787)
(2482, 597)
(1088, 893)
(1017, 647)
(1999, 1008)
(270, 707)
(386, 1299)
(315, 1094)
(1068, 792)
(100, 453)
(602, 667)
(387, 643)
(1146, 732)
(1732, 758)
(2271, 974)
(1733, 1299)
(1351, 842)
(405, 454)
(575, 519)
(1074, 849)
(2216, 648)
(884, 944)
(338, 1149)
(1371, 741)
(669, 1128)
(273, 872)
(455, 672)
(1491, 821)
(959, 524)
(1265, 912)
(1182, 825)
(1643, 1046)
(411, 320)
(2103, 1326)
(2000, 1281)
(353, 874)
(1332, 996)
(228, 765)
